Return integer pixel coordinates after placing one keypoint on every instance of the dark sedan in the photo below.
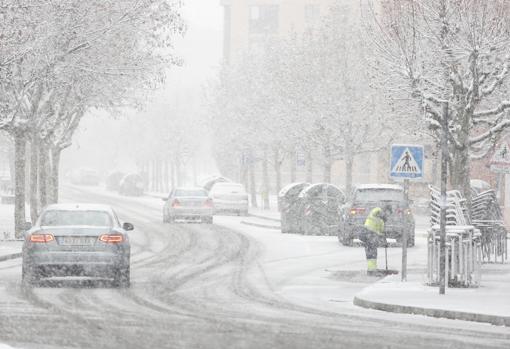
(77, 240)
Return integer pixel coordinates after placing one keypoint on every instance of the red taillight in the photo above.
(357, 210)
(111, 238)
(176, 203)
(208, 203)
(403, 211)
(41, 238)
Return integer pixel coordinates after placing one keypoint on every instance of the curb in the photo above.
(10, 256)
(438, 313)
(258, 225)
(264, 217)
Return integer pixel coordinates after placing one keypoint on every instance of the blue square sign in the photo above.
(406, 161)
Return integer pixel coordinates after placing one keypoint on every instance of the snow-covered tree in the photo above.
(455, 52)
(61, 59)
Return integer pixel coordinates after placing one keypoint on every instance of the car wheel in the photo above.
(122, 277)
(29, 276)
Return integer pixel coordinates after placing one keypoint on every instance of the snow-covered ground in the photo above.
(260, 287)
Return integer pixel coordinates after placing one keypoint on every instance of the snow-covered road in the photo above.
(221, 286)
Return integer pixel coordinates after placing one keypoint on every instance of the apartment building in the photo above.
(248, 22)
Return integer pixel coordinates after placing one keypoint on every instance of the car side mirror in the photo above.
(128, 226)
(28, 225)
(164, 199)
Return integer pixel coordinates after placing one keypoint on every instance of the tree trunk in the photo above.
(195, 170)
(153, 175)
(253, 186)
(172, 175)
(309, 166)
(328, 163)
(33, 186)
(349, 162)
(177, 171)
(43, 174)
(12, 167)
(293, 167)
(460, 174)
(265, 179)
(166, 176)
(55, 174)
(19, 183)
(278, 172)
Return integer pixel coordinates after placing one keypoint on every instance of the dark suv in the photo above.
(364, 199)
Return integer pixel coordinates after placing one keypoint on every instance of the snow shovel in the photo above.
(387, 271)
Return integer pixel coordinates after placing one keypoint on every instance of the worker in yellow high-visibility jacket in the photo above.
(372, 234)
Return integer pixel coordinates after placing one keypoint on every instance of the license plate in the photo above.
(77, 240)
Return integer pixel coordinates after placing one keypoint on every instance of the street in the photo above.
(209, 286)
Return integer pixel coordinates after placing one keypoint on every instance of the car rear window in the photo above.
(67, 218)
(371, 195)
(190, 192)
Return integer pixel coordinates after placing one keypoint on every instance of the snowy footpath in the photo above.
(488, 303)
(9, 248)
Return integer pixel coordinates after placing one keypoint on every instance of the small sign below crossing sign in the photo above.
(500, 162)
(406, 161)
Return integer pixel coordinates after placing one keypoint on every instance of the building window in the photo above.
(312, 13)
(264, 19)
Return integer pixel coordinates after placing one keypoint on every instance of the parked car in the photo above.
(229, 197)
(132, 184)
(77, 240)
(365, 198)
(113, 180)
(188, 204)
(84, 176)
(320, 210)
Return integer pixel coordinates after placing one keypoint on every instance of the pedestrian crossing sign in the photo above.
(406, 161)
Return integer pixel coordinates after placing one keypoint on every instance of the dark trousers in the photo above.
(371, 242)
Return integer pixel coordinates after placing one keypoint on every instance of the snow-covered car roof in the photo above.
(313, 186)
(286, 188)
(189, 188)
(379, 186)
(79, 207)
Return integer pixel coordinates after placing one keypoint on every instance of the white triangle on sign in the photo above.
(406, 163)
(502, 154)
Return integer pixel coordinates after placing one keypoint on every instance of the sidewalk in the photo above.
(9, 248)
(488, 303)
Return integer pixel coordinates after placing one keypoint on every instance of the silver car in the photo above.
(230, 197)
(77, 240)
(188, 204)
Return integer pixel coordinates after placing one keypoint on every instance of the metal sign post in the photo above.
(404, 236)
(406, 164)
(444, 203)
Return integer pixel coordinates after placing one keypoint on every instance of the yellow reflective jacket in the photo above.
(374, 222)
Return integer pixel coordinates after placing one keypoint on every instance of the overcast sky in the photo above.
(99, 140)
